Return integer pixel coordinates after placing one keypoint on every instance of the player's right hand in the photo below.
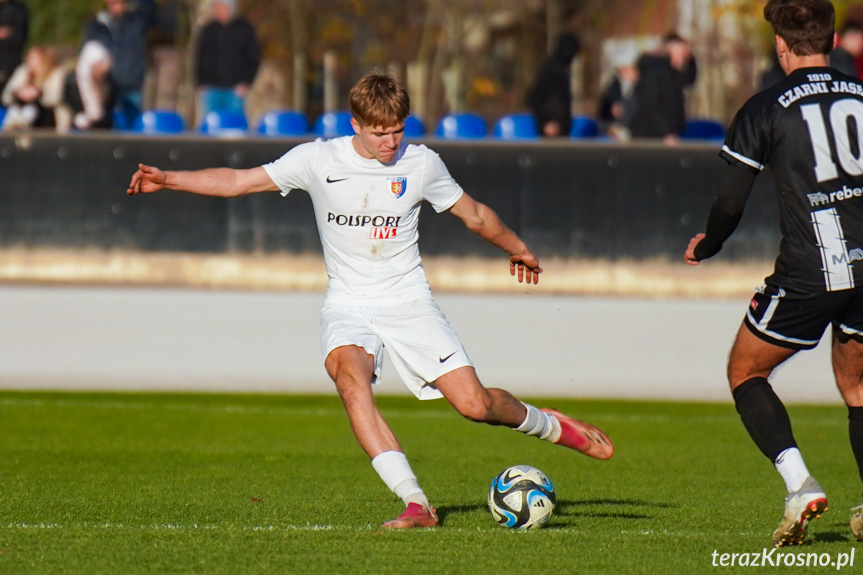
(689, 255)
(527, 267)
(146, 180)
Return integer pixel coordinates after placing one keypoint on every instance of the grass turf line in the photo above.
(180, 483)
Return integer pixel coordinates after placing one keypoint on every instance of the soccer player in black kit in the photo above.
(809, 130)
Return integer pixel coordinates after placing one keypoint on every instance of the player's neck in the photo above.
(794, 62)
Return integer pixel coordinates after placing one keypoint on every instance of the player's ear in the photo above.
(781, 46)
(835, 40)
(355, 125)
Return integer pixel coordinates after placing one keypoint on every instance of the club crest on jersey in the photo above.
(398, 185)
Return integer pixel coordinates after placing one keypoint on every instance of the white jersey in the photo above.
(368, 212)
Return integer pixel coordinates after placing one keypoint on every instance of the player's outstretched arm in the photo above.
(219, 182)
(484, 222)
(725, 214)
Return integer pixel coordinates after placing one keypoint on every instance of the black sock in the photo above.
(855, 432)
(764, 417)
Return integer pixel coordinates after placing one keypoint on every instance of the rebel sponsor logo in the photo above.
(822, 199)
(397, 186)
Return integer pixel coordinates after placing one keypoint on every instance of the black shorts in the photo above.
(797, 320)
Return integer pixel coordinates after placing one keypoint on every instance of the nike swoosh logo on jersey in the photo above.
(443, 359)
(331, 181)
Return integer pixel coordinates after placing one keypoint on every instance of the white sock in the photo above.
(540, 424)
(791, 467)
(396, 472)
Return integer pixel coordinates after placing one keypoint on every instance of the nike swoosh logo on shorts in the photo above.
(443, 359)
(331, 181)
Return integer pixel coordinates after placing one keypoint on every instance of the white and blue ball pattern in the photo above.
(521, 497)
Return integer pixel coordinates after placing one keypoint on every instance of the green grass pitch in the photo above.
(199, 483)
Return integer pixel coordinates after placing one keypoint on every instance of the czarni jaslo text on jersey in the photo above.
(809, 130)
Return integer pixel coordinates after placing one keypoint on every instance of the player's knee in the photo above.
(476, 407)
(350, 385)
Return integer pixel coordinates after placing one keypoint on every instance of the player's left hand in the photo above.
(527, 266)
(689, 255)
(147, 180)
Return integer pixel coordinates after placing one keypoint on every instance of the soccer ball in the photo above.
(521, 497)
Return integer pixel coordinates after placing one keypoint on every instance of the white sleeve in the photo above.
(439, 187)
(18, 79)
(93, 54)
(293, 171)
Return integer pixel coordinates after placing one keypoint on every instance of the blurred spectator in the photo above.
(227, 59)
(616, 103)
(854, 13)
(550, 97)
(660, 107)
(773, 74)
(89, 94)
(122, 28)
(34, 94)
(849, 49)
(13, 36)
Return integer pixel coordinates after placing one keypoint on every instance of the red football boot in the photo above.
(583, 437)
(414, 516)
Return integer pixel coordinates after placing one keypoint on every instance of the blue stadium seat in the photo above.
(462, 125)
(414, 127)
(703, 129)
(225, 123)
(516, 127)
(119, 121)
(158, 122)
(283, 123)
(333, 125)
(584, 127)
(2, 114)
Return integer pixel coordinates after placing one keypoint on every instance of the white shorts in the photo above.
(420, 341)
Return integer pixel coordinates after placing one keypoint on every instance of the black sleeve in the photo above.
(204, 51)
(19, 22)
(726, 210)
(148, 12)
(690, 73)
(251, 55)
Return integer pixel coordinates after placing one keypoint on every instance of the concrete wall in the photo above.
(572, 200)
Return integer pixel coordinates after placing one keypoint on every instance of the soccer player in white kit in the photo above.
(366, 191)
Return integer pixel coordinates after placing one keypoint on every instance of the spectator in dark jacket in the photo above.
(550, 97)
(227, 59)
(771, 75)
(850, 47)
(123, 29)
(14, 23)
(616, 102)
(660, 110)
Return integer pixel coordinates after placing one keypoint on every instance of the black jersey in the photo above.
(809, 130)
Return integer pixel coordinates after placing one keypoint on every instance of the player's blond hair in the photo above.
(807, 26)
(379, 99)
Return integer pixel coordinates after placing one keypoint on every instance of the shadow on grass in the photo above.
(443, 512)
(625, 509)
(831, 537)
(618, 502)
